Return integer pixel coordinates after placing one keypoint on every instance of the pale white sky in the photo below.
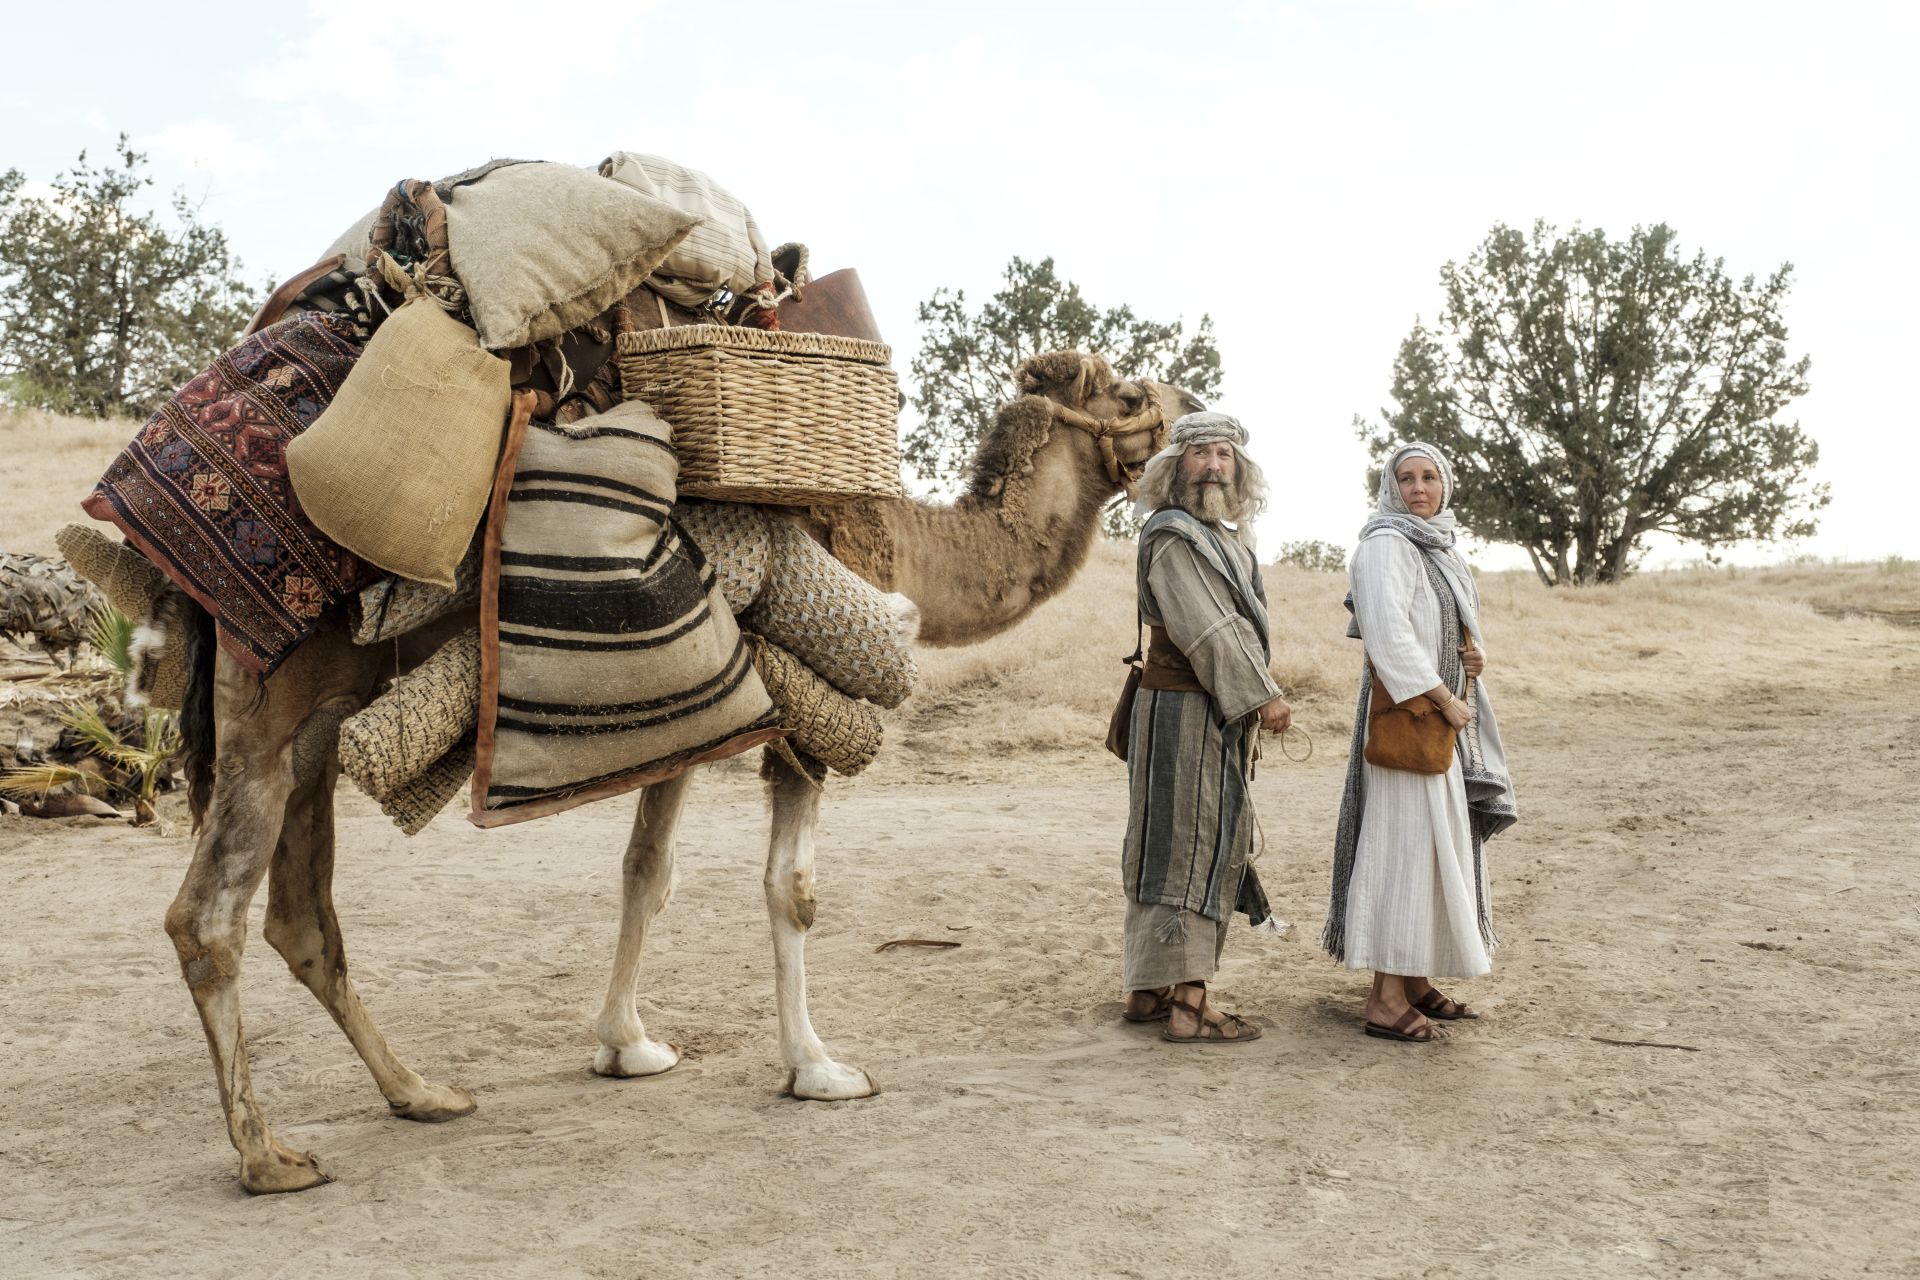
(1299, 172)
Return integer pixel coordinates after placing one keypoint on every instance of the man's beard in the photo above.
(1210, 502)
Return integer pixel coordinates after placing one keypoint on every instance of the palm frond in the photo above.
(34, 781)
(86, 721)
(112, 634)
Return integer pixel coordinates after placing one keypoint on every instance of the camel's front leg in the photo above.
(303, 928)
(646, 885)
(208, 918)
(811, 1073)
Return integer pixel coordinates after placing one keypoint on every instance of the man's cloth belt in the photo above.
(1167, 669)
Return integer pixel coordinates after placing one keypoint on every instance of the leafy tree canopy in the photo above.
(105, 309)
(1591, 392)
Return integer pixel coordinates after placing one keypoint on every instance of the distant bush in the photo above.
(1313, 555)
(1898, 564)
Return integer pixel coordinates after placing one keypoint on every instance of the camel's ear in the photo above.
(1050, 370)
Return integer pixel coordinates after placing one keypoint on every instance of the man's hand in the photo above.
(1474, 661)
(1276, 716)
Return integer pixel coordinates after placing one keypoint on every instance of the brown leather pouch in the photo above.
(1411, 736)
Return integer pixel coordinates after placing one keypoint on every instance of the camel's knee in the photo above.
(790, 896)
(205, 961)
(297, 938)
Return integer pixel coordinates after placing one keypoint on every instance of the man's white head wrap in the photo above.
(1249, 490)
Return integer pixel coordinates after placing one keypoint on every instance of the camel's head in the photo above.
(1087, 383)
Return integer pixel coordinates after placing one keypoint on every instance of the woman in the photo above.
(1409, 896)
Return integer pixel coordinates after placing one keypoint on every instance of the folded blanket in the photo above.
(202, 491)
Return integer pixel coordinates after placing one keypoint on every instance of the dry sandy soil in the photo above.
(1692, 1060)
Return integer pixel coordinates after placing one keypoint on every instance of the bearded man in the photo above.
(1205, 693)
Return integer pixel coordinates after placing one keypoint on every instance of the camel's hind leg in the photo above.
(303, 928)
(811, 1072)
(646, 885)
(256, 727)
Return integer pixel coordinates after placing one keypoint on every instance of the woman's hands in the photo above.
(1276, 716)
(1473, 660)
(1458, 713)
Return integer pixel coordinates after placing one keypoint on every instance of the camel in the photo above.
(262, 767)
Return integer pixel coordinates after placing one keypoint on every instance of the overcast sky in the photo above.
(1297, 172)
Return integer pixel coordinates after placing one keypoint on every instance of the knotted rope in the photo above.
(1106, 430)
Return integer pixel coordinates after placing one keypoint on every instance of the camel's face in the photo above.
(1128, 398)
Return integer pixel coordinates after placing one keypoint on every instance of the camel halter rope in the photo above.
(1107, 430)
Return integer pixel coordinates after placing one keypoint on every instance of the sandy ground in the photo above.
(1716, 854)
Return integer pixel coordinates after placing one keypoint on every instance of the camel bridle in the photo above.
(1106, 430)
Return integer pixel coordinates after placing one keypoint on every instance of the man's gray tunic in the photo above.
(1190, 827)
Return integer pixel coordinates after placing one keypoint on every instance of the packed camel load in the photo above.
(551, 484)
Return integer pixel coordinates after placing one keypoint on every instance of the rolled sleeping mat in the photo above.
(416, 803)
(831, 619)
(394, 606)
(405, 730)
(735, 539)
(139, 589)
(836, 730)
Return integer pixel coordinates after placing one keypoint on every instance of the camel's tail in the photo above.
(196, 713)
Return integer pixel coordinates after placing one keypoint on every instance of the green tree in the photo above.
(1312, 555)
(1592, 392)
(967, 359)
(105, 309)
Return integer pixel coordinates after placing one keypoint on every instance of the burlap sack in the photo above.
(397, 470)
(724, 251)
(610, 658)
(544, 248)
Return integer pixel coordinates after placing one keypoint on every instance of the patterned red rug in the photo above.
(202, 491)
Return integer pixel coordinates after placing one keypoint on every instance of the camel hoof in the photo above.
(281, 1170)
(642, 1058)
(435, 1103)
(830, 1082)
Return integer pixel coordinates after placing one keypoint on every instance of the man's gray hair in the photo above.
(1246, 496)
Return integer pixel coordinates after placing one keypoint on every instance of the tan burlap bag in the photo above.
(834, 729)
(544, 248)
(415, 722)
(398, 468)
(735, 541)
(834, 621)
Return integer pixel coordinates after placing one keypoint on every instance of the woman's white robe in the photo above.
(1412, 905)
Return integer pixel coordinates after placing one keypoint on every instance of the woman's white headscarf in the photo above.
(1436, 532)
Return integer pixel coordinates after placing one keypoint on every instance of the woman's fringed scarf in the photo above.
(1491, 805)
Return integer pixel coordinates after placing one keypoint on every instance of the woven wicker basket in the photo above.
(770, 417)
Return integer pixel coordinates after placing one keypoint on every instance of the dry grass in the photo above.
(1049, 684)
(52, 463)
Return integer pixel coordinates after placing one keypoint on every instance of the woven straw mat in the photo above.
(736, 543)
(767, 416)
(831, 619)
(414, 805)
(412, 725)
(394, 606)
(139, 589)
(834, 729)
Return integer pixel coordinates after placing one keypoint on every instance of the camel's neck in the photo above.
(980, 565)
